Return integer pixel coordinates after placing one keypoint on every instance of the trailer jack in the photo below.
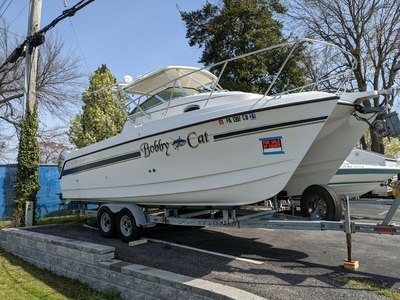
(349, 263)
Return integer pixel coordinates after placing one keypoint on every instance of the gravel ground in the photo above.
(286, 273)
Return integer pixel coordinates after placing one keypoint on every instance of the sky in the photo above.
(131, 37)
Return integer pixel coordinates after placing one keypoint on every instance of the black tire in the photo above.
(106, 222)
(325, 196)
(126, 226)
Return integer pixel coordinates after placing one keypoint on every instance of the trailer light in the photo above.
(385, 229)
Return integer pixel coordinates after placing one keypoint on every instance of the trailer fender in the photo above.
(136, 211)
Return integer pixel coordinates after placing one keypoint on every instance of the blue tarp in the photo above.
(47, 198)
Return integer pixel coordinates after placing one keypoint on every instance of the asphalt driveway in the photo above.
(283, 264)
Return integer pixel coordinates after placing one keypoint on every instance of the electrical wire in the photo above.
(37, 39)
(1, 6)
(19, 13)
(11, 32)
(6, 7)
(79, 46)
(66, 13)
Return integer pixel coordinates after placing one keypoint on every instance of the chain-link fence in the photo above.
(48, 201)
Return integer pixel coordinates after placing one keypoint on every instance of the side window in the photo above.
(166, 95)
(150, 102)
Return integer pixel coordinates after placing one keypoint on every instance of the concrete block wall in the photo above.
(95, 265)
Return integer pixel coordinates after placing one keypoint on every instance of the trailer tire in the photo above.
(325, 196)
(126, 226)
(106, 222)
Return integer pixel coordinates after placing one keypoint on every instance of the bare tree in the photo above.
(60, 79)
(52, 141)
(50, 152)
(59, 83)
(368, 29)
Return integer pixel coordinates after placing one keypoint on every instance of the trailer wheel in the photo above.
(106, 222)
(126, 226)
(324, 198)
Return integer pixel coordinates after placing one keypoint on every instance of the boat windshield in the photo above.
(164, 96)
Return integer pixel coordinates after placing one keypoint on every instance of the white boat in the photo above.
(362, 172)
(192, 158)
(192, 143)
(364, 157)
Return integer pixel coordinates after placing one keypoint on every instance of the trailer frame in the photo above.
(272, 214)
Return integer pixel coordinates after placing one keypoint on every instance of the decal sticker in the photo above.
(74, 162)
(193, 140)
(178, 143)
(221, 122)
(272, 145)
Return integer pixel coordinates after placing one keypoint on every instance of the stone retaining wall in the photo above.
(95, 265)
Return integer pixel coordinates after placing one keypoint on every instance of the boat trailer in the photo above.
(271, 214)
(275, 219)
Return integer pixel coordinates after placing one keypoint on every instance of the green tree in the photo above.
(235, 27)
(102, 116)
(27, 184)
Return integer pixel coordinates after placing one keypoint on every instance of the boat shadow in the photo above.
(288, 266)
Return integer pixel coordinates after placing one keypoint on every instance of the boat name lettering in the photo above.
(197, 139)
(157, 146)
(74, 162)
(193, 140)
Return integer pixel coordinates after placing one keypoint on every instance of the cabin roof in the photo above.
(158, 80)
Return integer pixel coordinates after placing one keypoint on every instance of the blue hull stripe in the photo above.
(268, 127)
(103, 163)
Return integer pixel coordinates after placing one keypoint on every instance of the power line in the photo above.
(6, 7)
(79, 46)
(19, 13)
(8, 25)
(11, 32)
(38, 38)
(1, 6)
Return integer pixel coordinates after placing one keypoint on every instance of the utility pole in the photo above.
(31, 57)
(27, 184)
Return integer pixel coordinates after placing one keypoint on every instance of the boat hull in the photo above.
(333, 144)
(228, 161)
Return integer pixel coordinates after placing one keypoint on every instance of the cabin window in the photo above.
(165, 96)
